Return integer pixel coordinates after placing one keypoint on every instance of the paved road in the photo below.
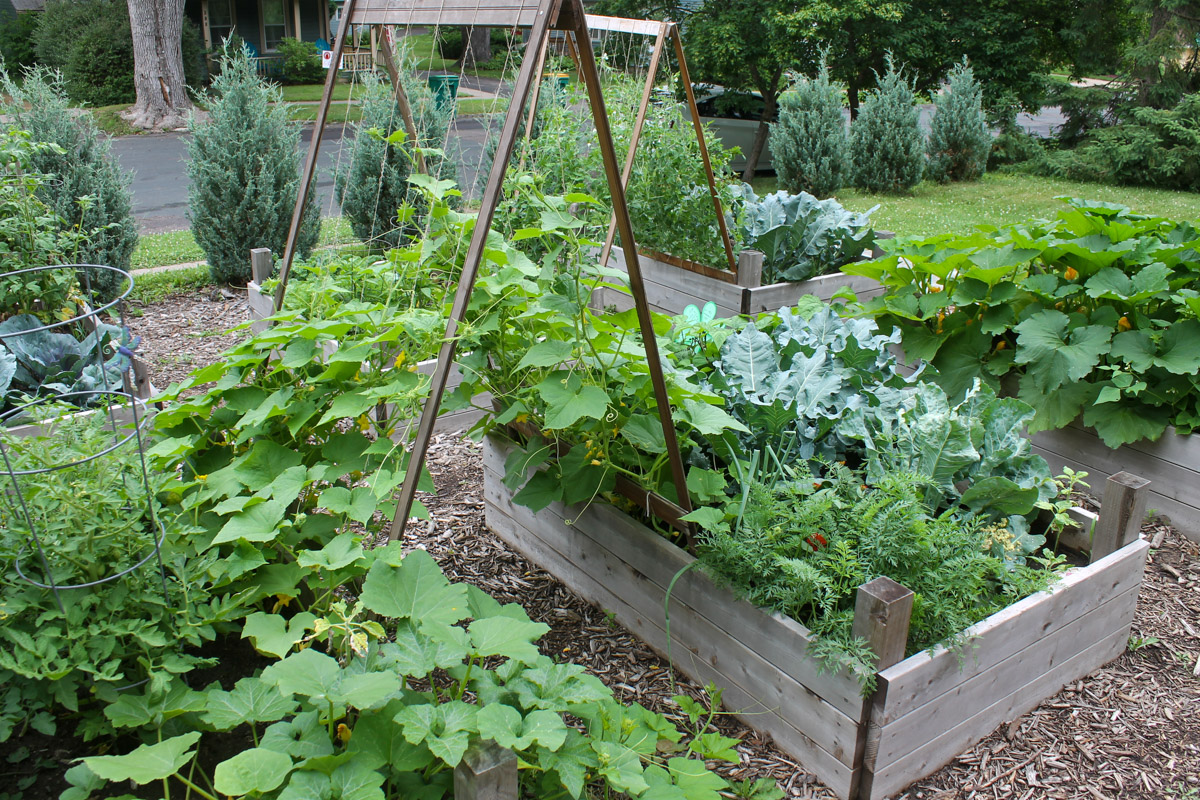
(160, 179)
(160, 184)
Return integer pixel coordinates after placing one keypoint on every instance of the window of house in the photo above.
(274, 23)
(221, 21)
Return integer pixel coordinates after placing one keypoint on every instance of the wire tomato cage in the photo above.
(106, 417)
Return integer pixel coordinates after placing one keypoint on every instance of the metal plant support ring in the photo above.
(124, 418)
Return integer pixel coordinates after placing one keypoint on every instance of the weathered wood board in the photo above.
(669, 289)
(929, 707)
(262, 306)
(1172, 465)
(706, 622)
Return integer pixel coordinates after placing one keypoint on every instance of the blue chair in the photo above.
(322, 45)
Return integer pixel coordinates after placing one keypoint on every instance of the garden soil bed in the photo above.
(1131, 729)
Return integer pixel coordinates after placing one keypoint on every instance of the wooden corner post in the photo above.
(882, 612)
(261, 264)
(1122, 510)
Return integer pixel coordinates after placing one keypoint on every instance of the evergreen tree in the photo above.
(809, 144)
(959, 140)
(886, 141)
(375, 182)
(85, 185)
(243, 168)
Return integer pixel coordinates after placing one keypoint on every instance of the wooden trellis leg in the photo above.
(410, 125)
(314, 148)
(636, 136)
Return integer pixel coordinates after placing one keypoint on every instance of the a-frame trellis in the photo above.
(662, 30)
(540, 16)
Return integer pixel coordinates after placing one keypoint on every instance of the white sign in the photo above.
(326, 59)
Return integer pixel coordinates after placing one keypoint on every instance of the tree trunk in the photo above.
(478, 46)
(162, 98)
(760, 138)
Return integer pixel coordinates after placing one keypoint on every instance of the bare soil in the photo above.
(1130, 730)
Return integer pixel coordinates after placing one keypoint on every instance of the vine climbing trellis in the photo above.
(540, 17)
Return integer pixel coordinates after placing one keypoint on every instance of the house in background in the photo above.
(262, 24)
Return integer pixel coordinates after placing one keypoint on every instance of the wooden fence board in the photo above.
(1172, 465)
(978, 689)
(925, 676)
(939, 751)
(700, 650)
(670, 289)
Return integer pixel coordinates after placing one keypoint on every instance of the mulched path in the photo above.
(1129, 730)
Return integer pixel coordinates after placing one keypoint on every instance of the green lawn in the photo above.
(312, 92)
(338, 113)
(999, 199)
(161, 249)
(179, 247)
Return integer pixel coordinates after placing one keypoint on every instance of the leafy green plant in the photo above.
(286, 460)
(804, 543)
(243, 172)
(32, 235)
(85, 185)
(301, 61)
(48, 362)
(800, 236)
(885, 141)
(809, 144)
(395, 713)
(63, 653)
(959, 139)
(547, 359)
(1092, 313)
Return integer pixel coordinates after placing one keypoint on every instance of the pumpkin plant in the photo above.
(1095, 313)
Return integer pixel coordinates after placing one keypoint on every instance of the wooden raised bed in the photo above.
(1172, 465)
(671, 286)
(262, 306)
(927, 708)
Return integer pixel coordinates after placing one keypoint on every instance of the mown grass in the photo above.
(337, 114)
(1004, 198)
(151, 287)
(179, 247)
(312, 92)
(998, 199)
(161, 249)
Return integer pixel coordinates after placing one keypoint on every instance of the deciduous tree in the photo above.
(162, 98)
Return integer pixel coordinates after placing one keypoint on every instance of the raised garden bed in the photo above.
(1171, 464)
(262, 306)
(671, 285)
(926, 709)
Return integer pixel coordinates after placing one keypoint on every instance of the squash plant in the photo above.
(385, 699)
(1095, 313)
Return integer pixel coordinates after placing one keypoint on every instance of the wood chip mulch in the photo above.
(1129, 730)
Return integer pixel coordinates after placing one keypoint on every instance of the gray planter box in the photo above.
(928, 708)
